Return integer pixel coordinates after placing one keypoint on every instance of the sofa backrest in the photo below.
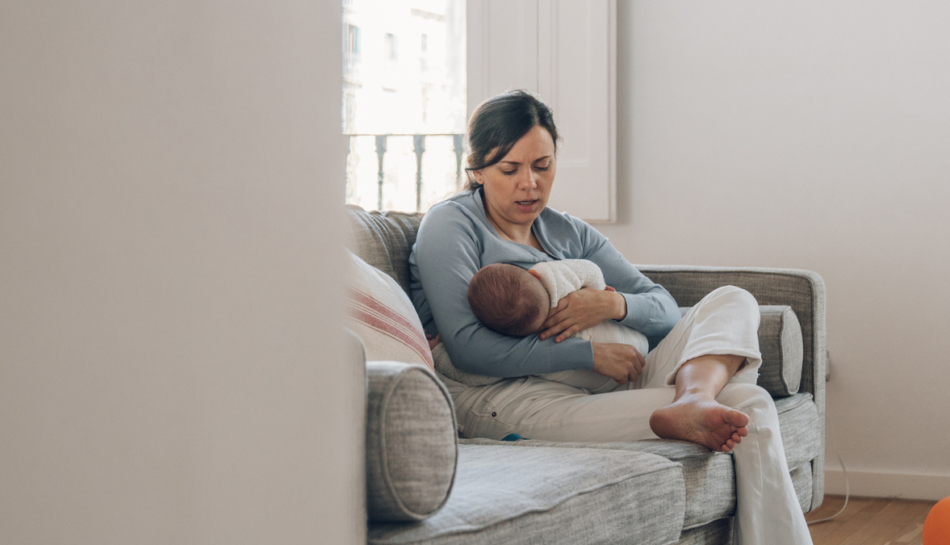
(384, 240)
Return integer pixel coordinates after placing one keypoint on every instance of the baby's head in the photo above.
(509, 299)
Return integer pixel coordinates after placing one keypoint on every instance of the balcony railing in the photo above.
(399, 180)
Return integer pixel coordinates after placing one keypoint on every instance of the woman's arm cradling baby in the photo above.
(582, 309)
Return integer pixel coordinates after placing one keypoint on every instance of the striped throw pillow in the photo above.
(384, 318)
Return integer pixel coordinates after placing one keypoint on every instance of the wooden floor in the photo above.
(870, 521)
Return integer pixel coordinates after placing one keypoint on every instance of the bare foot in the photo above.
(701, 420)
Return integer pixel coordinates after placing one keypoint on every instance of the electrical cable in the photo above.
(847, 492)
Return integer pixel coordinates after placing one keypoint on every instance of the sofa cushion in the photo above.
(802, 481)
(780, 341)
(719, 531)
(552, 495)
(382, 315)
(411, 443)
(802, 431)
(384, 240)
(709, 477)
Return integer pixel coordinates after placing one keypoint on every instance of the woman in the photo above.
(697, 383)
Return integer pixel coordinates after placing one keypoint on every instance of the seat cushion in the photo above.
(709, 477)
(803, 482)
(552, 495)
(802, 430)
(718, 531)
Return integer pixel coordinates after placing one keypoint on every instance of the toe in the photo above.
(736, 418)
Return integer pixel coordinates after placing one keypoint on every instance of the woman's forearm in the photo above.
(581, 310)
(491, 354)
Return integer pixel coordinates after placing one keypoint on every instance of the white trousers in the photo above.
(725, 322)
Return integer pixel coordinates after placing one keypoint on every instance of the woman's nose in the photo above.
(528, 180)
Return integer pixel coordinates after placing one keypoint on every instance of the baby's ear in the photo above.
(535, 273)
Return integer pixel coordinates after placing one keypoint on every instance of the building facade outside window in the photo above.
(404, 101)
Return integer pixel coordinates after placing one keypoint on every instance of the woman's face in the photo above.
(517, 187)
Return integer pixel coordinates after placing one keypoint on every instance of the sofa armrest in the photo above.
(804, 291)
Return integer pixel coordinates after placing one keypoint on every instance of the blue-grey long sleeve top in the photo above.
(456, 239)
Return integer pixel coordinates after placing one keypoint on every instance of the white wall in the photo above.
(171, 369)
(810, 135)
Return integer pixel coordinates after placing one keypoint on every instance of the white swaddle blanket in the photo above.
(559, 279)
(563, 277)
(569, 275)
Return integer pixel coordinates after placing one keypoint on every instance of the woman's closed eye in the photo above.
(543, 165)
(511, 168)
(515, 171)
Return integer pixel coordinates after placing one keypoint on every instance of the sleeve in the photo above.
(651, 309)
(447, 254)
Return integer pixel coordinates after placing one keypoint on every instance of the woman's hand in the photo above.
(621, 362)
(581, 309)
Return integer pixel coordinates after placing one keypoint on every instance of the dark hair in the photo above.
(507, 299)
(499, 122)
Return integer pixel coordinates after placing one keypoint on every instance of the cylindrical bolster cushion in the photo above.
(411, 442)
(780, 341)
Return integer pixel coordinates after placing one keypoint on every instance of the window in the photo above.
(352, 40)
(406, 93)
(404, 100)
(390, 47)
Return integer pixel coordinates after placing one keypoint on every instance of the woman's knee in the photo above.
(736, 295)
(730, 301)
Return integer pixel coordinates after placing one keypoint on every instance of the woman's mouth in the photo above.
(526, 206)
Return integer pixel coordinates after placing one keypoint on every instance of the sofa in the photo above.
(425, 484)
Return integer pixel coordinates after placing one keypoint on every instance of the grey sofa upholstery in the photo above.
(653, 491)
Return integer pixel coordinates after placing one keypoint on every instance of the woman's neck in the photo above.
(521, 234)
(514, 233)
(517, 233)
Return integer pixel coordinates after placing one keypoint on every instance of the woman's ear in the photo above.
(477, 174)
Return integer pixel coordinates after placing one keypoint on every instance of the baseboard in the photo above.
(911, 486)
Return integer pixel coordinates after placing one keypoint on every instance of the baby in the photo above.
(516, 302)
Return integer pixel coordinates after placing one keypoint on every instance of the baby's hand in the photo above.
(433, 341)
(608, 288)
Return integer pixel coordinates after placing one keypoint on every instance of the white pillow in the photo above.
(384, 318)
